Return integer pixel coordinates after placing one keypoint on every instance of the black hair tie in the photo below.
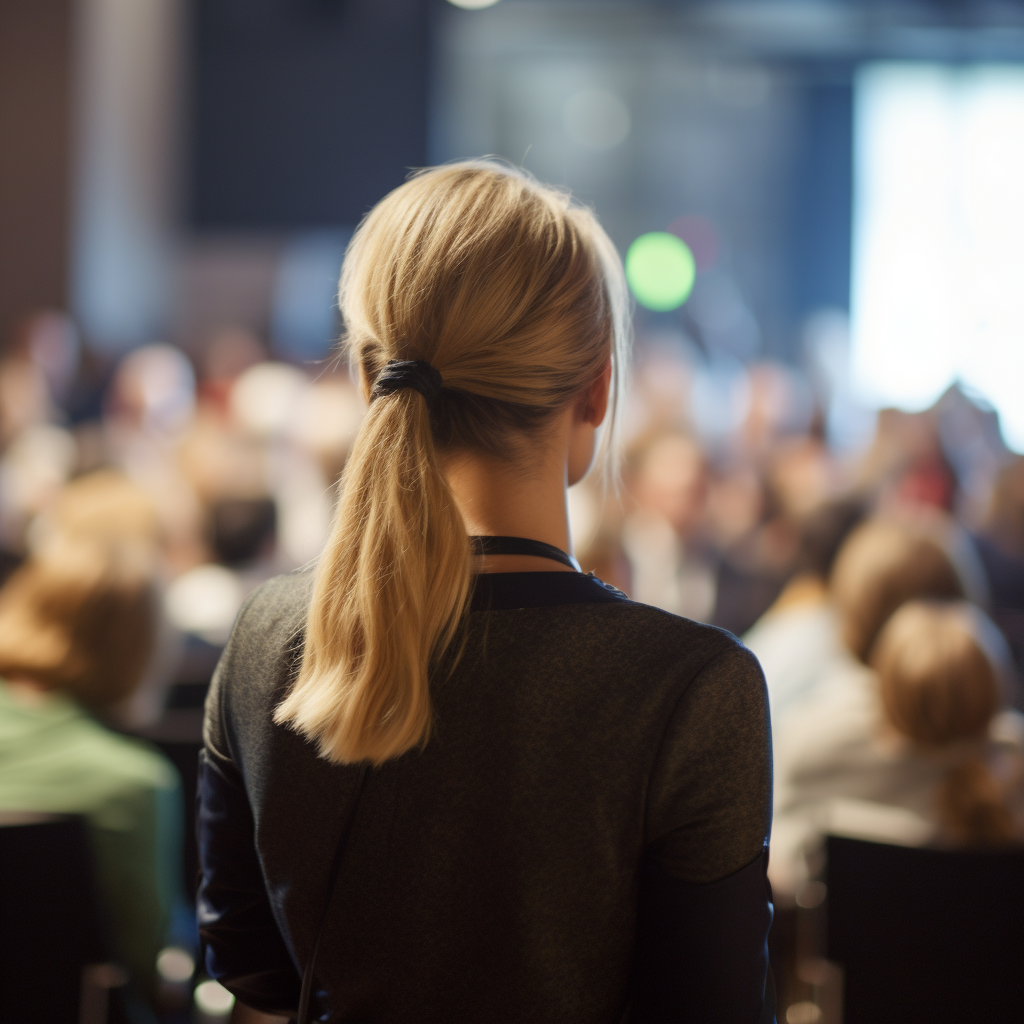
(409, 373)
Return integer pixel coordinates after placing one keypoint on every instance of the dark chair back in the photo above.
(926, 935)
(51, 923)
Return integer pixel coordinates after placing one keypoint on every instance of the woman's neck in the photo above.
(499, 499)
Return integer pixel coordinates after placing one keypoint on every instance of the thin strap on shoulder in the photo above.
(332, 881)
(522, 546)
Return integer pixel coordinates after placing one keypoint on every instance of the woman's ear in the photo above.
(594, 401)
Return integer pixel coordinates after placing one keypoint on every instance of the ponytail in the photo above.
(939, 687)
(516, 298)
(396, 574)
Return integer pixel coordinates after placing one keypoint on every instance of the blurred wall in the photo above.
(35, 155)
(751, 138)
(303, 113)
(127, 89)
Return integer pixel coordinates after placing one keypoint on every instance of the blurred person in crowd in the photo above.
(327, 422)
(780, 410)
(756, 564)
(920, 750)
(1000, 544)
(752, 544)
(906, 465)
(226, 464)
(33, 469)
(672, 563)
(595, 522)
(271, 405)
(104, 506)
(77, 626)
(225, 357)
(217, 456)
(150, 405)
(660, 385)
(798, 637)
(542, 800)
(107, 507)
(36, 371)
(37, 452)
(885, 562)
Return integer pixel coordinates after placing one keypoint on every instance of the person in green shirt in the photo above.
(77, 623)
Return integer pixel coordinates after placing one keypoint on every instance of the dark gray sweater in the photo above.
(583, 743)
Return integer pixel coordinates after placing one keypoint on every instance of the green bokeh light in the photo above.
(660, 270)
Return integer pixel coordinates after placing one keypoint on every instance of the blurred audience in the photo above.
(673, 564)
(106, 507)
(1001, 547)
(78, 621)
(798, 637)
(884, 563)
(919, 749)
(168, 485)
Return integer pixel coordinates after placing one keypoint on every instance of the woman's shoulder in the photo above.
(683, 653)
(267, 637)
(699, 645)
(598, 622)
(268, 630)
(693, 672)
(270, 622)
(277, 606)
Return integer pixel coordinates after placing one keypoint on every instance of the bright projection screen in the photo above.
(937, 290)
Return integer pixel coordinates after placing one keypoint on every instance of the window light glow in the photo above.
(938, 251)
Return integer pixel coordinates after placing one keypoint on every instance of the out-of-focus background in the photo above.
(821, 211)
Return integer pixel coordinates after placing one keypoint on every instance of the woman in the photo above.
(885, 562)
(798, 637)
(570, 793)
(77, 623)
(920, 750)
(881, 564)
(942, 673)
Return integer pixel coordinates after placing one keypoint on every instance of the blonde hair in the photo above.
(103, 505)
(80, 617)
(882, 564)
(516, 296)
(940, 688)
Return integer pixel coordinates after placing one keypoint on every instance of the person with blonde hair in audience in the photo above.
(890, 560)
(106, 506)
(77, 624)
(819, 635)
(448, 776)
(919, 750)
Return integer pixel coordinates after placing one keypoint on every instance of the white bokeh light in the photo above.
(938, 250)
(473, 5)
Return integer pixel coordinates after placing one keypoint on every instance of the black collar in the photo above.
(496, 591)
(522, 546)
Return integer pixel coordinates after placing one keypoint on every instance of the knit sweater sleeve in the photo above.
(244, 947)
(705, 903)
(710, 794)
